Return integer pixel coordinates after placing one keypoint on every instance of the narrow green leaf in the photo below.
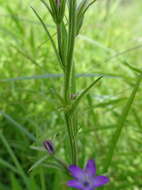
(95, 43)
(62, 41)
(132, 67)
(116, 55)
(77, 101)
(26, 55)
(16, 21)
(109, 103)
(33, 184)
(23, 19)
(19, 126)
(89, 5)
(41, 161)
(62, 9)
(80, 14)
(7, 165)
(54, 8)
(47, 6)
(81, 10)
(137, 119)
(49, 35)
(15, 183)
(14, 158)
(121, 122)
(38, 163)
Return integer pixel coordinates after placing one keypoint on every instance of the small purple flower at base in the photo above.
(49, 146)
(86, 179)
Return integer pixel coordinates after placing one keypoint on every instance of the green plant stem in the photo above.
(73, 93)
(70, 50)
(66, 86)
(67, 61)
(71, 120)
(71, 134)
(68, 119)
(59, 39)
(68, 78)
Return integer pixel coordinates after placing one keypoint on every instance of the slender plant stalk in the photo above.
(71, 43)
(67, 115)
(73, 96)
(68, 63)
(68, 76)
(59, 38)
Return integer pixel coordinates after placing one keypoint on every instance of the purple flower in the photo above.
(86, 179)
(49, 146)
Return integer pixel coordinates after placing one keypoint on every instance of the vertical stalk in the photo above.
(74, 115)
(68, 78)
(68, 117)
(73, 96)
(70, 51)
(59, 39)
(71, 137)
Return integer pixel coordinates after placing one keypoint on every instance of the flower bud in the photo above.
(49, 146)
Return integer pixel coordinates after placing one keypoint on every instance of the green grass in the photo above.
(109, 115)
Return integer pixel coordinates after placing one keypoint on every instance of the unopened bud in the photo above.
(49, 146)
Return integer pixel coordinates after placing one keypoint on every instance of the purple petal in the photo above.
(76, 172)
(100, 180)
(90, 168)
(75, 184)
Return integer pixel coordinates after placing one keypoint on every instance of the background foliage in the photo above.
(109, 44)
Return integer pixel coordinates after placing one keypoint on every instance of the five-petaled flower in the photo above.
(86, 179)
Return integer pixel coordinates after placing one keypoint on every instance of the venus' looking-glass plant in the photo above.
(68, 16)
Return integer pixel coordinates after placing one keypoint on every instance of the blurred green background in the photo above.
(110, 44)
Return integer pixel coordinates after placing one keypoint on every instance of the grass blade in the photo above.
(123, 117)
(26, 55)
(132, 67)
(49, 35)
(9, 166)
(14, 158)
(77, 101)
(18, 24)
(20, 127)
(15, 183)
(37, 163)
